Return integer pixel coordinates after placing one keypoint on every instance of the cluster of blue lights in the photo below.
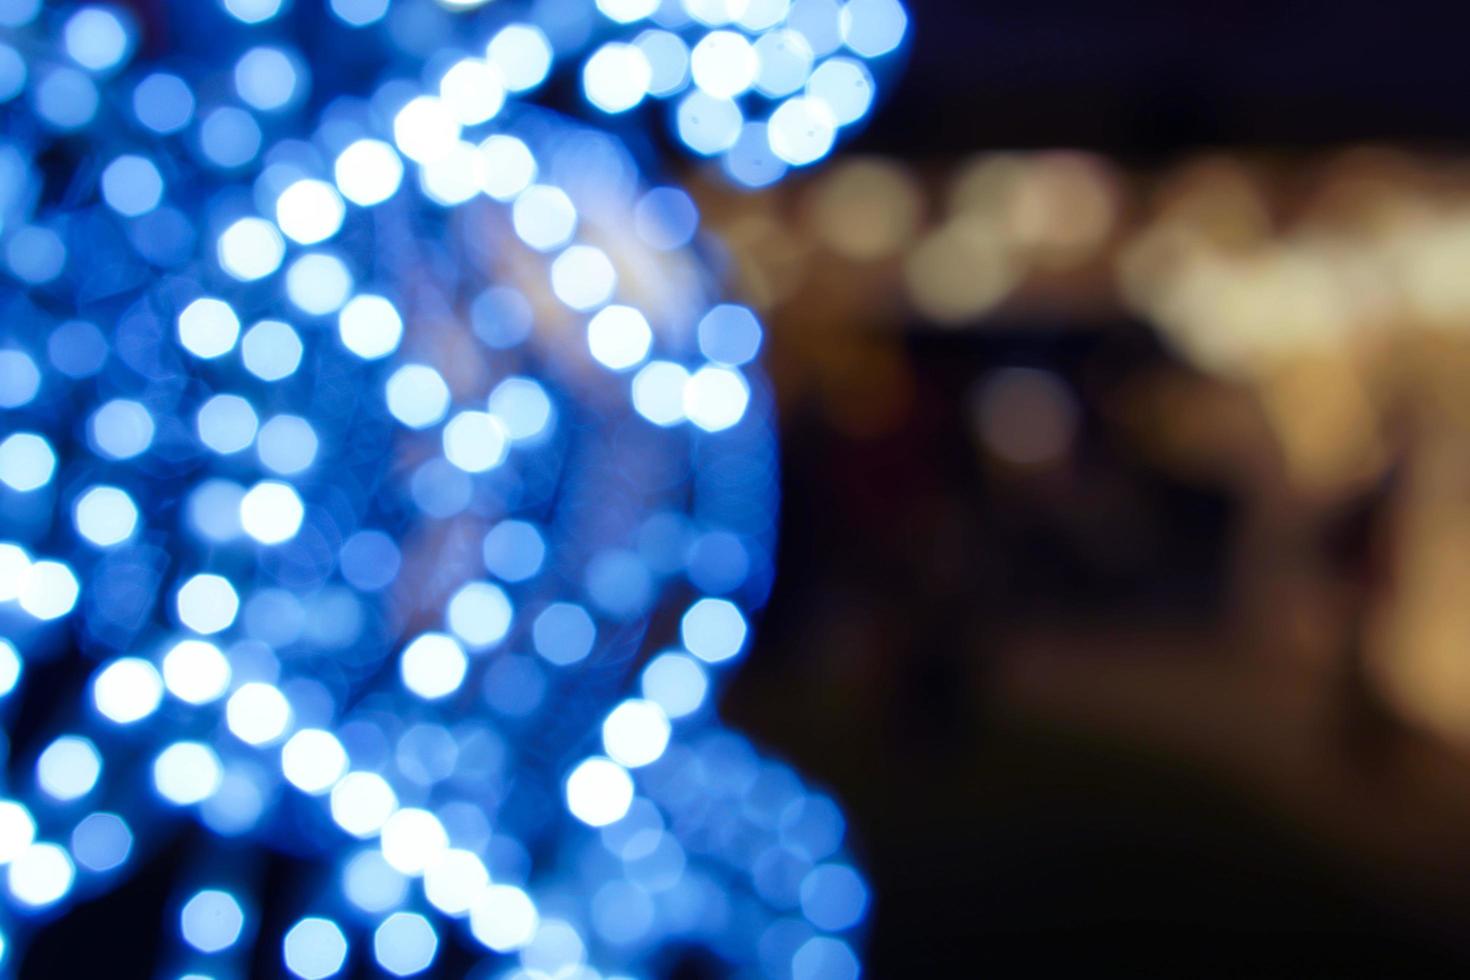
(382, 482)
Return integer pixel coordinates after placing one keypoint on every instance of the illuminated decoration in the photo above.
(359, 538)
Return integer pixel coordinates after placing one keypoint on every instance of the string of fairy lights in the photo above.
(390, 458)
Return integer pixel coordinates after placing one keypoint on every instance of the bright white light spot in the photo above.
(69, 768)
(266, 78)
(41, 875)
(504, 918)
(287, 444)
(475, 441)
(208, 328)
(314, 948)
(785, 62)
(802, 130)
(26, 462)
(619, 337)
(19, 377)
(417, 396)
(95, 38)
(271, 350)
(10, 668)
(599, 792)
(318, 283)
(454, 178)
(207, 603)
(251, 249)
(658, 392)
(370, 326)
(724, 64)
(186, 773)
(522, 406)
(544, 217)
(617, 77)
(127, 690)
(715, 398)
(452, 883)
(17, 830)
(713, 630)
(845, 86)
(668, 57)
(313, 760)
(310, 211)
(211, 920)
(405, 944)
(716, 12)
(271, 512)
(472, 90)
(132, 185)
(258, 713)
(15, 565)
(368, 172)
(627, 11)
(636, 733)
(195, 671)
(583, 277)
(253, 11)
(708, 125)
(676, 683)
(523, 55)
(872, 28)
(359, 13)
(508, 167)
(50, 590)
(226, 424)
(121, 429)
(433, 666)
(413, 840)
(479, 614)
(425, 129)
(362, 802)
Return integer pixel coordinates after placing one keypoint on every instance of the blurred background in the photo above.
(1124, 584)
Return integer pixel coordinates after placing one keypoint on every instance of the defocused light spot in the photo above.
(121, 429)
(417, 396)
(616, 77)
(824, 958)
(229, 137)
(479, 614)
(636, 733)
(50, 590)
(41, 875)
(313, 760)
(713, 630)
(514, 550)
(314, 948)
(599, 792)
(475, 441)
(508, 167)
(708, 125)
(833, 897)
(271, 512)
(127, 690)
(359, 13)
(785, 63)
(17, 830)
(196, 672)
(186, 773)
(425, 129)
(522, 406)
(715, 398)
(563, 633)
(271, 350)
(101, 842)
(26, 461)
(68, 768)
(730, 334)
(802, 130)
(208, 328)
(163, 103)
(413, 840)
(132, 185)
(251, 249)
(433, 666)
(258, 713)
(368, 172)
(362, 802)
(318, 283)
(10, 668)
(627, 11)
(658, 392)
(676, 683)
(504, 918)
(544, 217)
(452, 883)
(583, 277)
(211, 920)
(372, 884)
(253, 11)
(65, 98)
(668, 61)
(872, 28)
(226, 424)
(310, 211)
(207, 603)
(523, 55)
(845, 86)
(287, 444)
(472, 90)
(405, 944)
(724, 64)
(267, 78)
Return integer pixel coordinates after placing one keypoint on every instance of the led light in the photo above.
(362, 802)
(211, 920)
(479, 614)
(473, 91)
(504, 918)
(523, 408)
(475, 441)
(636, 733)
(208, 328)
(207, 603)
(318, 283)
(313, 760)
(676, 683)
(310, 211)
(41, 875)
(599, 792)
(314, 948)
(267, 78)
(95, 38)
(707, 124)
(433, 666)
(68, 768)
(715, 398)
(583, 277)
(370, 327)
(132, 185)
(508, 167)
(425, 130)
(19, 379)
(617, 77)
(251, 249)
(26, 461)
(10, 668)
(454, 881)
(271, 350)
(417, 396)
(49, 591)
(713, 630)
(544, 217)
(186, 773)
(724, 64)
(17, 830)
(258, 713)
(413, 840)
(196, 672)
(405, 944)
(127, 690)
(271, 512)
(802, 130)
(619, 337)
(368, 172)
(523, 55)
(226, 423)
